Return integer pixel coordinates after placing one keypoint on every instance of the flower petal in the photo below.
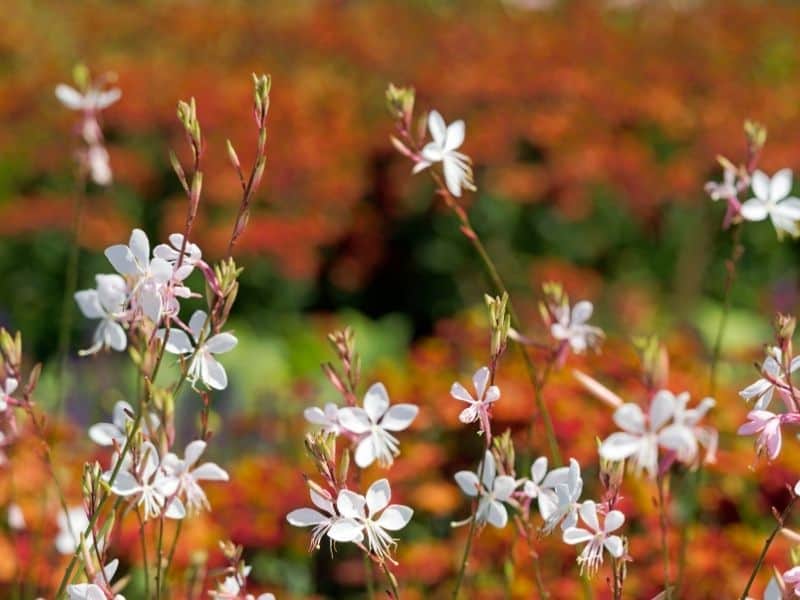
(220, 343)
(496, 514)
(468, 482)
(620, 445)
(346, 530)
(399, 417)
(210, 472)
(630, 418)
(760, 182)
(662, 409)
(754, 210)
(376, 401)
(588, 511)
(576, 535)
(378, 496)
(480, 380)
(354, 419)
(780, 185)
(305, 517)
(437, 127)
(351, 505)
(395, 517)
(613, 544)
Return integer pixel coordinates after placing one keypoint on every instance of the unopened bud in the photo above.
(400, 102)
(756, 134)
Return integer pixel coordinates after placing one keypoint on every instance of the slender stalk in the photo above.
(730, 265)
(368, 577)
(616, 586)
(662, 520)
(392, 582)
(173, 546)
(778, 526)
(144, 554)
(160, 575)
(470, 536)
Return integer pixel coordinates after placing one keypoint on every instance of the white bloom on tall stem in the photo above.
(571, 327)
(99, 589)
(560, 506)
(360, 519)
(491, 489)
(171, 253)
(90, 101)
(685, 434)
(9, 387)
(771, 199)
(374, 422)
(106, 303)
(148, 276)
(70, 527)
(310, 517)
(203, 366)
(326, 417)
(598, 538)
(640, 435)
(479, 406)
(107, 434)
(189, 476)
(773, 377)
(446, 141)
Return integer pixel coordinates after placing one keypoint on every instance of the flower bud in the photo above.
(400, 102)
(756, 135)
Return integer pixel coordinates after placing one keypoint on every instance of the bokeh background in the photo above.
(593, 126)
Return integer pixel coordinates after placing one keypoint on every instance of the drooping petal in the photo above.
(620, 445)
(613, 544)
(215, 375)
(496, 514)
(614, 520)
(346, 530)
(437, 127)
(754, 210)
(378, 496)
(305, 517)
(576, 535)
(376, 401)
(89, 303)
(399, 417)
(468, 482)
(177, 341)
(221, 343)
(395, 517)
(365, 453)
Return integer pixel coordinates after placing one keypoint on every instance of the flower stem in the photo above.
(368, 577)
(392, 582)
(778, 526)
(173, 546)
(472, 528)
(662, 519)
(144, 555)
(159, 558)
(730, 265)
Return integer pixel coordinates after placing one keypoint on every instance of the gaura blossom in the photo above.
(106, 434)
(491, 489)
(773, 375)
(171, 252)
(727, 188)
(147, 276)
(479, 406)
(327, 417)
(598, 538)
(571, 326)
(189, 476)
(150, 486)
(768, 425)
(99, 589)
(9, 387)
(360, 519)
(374, 422)
(771, 199)
(456, 166)
(310, 517)
(70, 527)
(106, 303)
(230, 588)
(641, 436)
(792, 578)
(90, 101)
(684, 435)
(204, 367)
(560, 506)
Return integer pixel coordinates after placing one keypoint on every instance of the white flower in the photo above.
(106, 434)
(16, 518)
(9, 387)
(641, 436)
(572, 327)
(204, 366)
(99, 164)
(189, 477)
(485, 396)
(309, 517)
(360, 518)
(492, 490)
(541, 486)
(772, 369)
(725, 189)
(107, 303)
(172, 251)
(446, 140)
(374, 422)
(70, 527)
(598, 538)
(99, 589)
(560, 495)
(685, 435)
(772, 200)
(327, 417)
(148, 276)
(151, 486)
(92, 100)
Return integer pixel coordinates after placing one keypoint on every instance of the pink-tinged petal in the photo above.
(630, 418)
(760, 182)
(365, 453)
(496, 514)
(480, 380)
(122, 259)
(468, 482)
(771, 437)
(459, 392)
(754, 210)
(504, 486)
(351, 505)
(582, 312)
(780, 185)
(221, 343)
(399, 417)
(177, 341)
(89, 303)
(420, 166)
(620, 445)
(797, 488)
(210, 472)
(151, 304)
(376, 401)
(215, 376)
(588, 512)
(69, 97)
(614, 520)
(455, 135)
(395, 517)
(378, 496)
(305, 517)
(539, 469)
(576, 535)
(662, 409)
(468, 415)
(196, 323)
(489, 470)
(492, 394)
(320, 501)
(613, 544)
(346, 530)
(354, 419)
(437, 127)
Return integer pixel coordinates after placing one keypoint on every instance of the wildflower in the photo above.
(106, 434)
(446, 140)
(492, 489)
(374, 422)
(685, 434)
(204, 366)
(231, 587)
(327, 417)
(188, 477)
(99, 589)
(16, 518)
(9, 387)
(726, 189)
(598, 538)
(768, 425)
(772, 200)
(148, 275)
(772, 369)
(71, 525)
(485, 396)
(309, 517)
(641, 435)
(91, 101)
(107, 303)
(540, 488)
(99, 164)
(152, 487)
(171, 253)
(570, 326)
(360, 518)
(561, 505)
(792, 578)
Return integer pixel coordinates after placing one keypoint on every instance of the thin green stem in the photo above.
(144, 554)
(368, 577)
(160, 558)
(471, 534)
(730, 278)
(392, 582)
(173, 546)
(778, 526)
(662, 519)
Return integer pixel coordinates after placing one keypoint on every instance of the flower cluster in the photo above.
(234, 584)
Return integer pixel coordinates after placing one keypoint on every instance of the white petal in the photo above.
(453, 175)
(497, 514)
(395, 517)
(459, 392)
(614, 520)
(196, 323)
(345, 530)
(365, 452)
(576, 535)
(780, 185)
(114, 335)
(760, 182)
(354, 419)
(69, 97)
(788, 209)
(122, 259)
(215, 375)
(351, 505)
(376, 401)
(177, 341)
(175, 509)
(437, 127)
(588, 511)
(754, 210)
(106, 99)
(321, 501)
(161, 270)
(220, 343)
(140, 247)
(378, 496)
(539, 469)
(193, 451)
(305, 517)
(630, 418)
(104, 434)
(620, 445)
(110, 569)
(582, 312)
(315, 415)
(504, 486)
(755, 389)
(468, 482)
(125, 484)
(210, 472)
(399, 417)
(89, 303)
(613, 544)
(455, 135)
(662, 408)
(480, 380)
(489, 470)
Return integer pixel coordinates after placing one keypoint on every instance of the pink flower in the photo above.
(792, 578)
(485, 396)
(768, 425)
